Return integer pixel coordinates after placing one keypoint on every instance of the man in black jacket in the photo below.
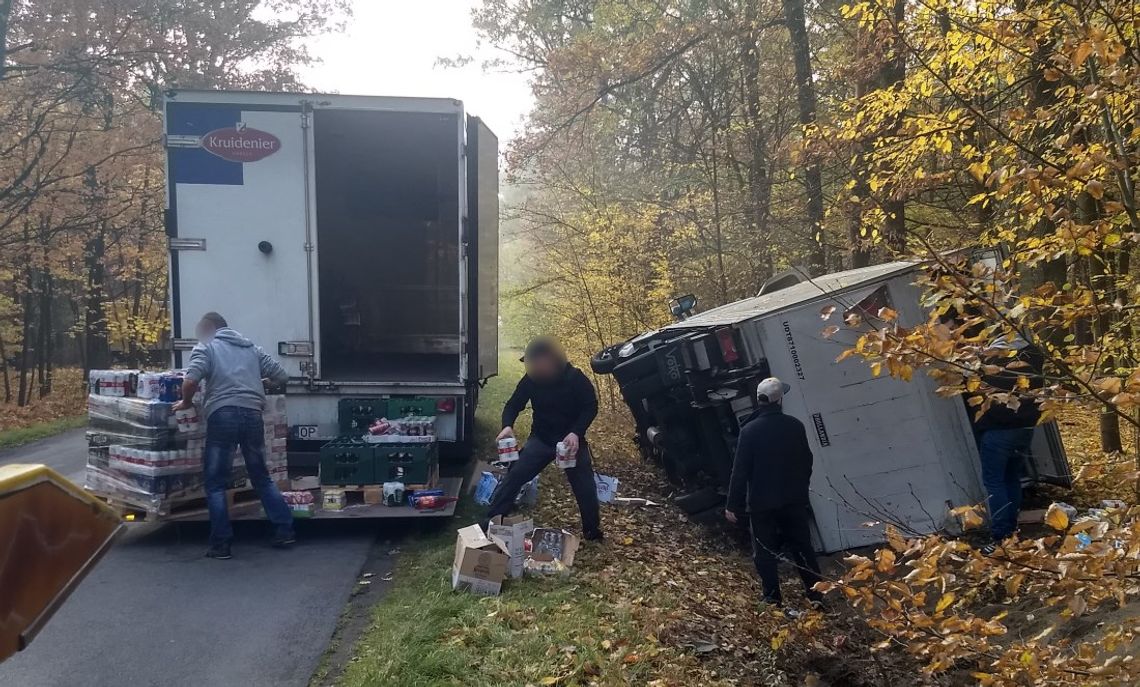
(773, 468)
(1003, 434)
(564, 404)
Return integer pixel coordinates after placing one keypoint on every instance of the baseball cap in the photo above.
(771, 390)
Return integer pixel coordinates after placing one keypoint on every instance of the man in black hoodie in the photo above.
(772, 469)
(1003, 434)
(564, 404)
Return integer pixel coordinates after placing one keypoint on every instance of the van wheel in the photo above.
(604, 361)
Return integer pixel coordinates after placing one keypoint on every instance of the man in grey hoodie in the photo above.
(233, 369)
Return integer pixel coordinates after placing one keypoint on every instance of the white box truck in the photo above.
(355, 238)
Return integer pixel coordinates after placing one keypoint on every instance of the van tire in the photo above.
(604, 361)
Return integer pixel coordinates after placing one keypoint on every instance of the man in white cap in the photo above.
(771, 474)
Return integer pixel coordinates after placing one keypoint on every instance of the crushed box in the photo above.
(481, 564)
(512, 530)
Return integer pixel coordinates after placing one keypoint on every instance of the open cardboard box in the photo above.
(512, 530)
(481, 563)
(550, 551)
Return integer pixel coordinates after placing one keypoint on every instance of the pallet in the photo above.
(190, 508)
(432, 483)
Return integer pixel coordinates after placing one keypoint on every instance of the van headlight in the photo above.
(626, 350)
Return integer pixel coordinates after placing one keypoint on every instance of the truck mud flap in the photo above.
(699, 501)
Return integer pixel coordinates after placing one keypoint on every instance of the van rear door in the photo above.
(236, 219)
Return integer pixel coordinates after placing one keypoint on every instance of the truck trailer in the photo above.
(353, 237)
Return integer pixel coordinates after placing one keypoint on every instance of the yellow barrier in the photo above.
(51, 534)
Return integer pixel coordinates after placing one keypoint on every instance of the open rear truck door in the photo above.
(482, 235)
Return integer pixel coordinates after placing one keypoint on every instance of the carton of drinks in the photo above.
(563, 457)
(549, 551)
(508, 450)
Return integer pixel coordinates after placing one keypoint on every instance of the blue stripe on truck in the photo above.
(195, 165)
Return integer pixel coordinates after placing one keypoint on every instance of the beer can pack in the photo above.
(508, 450)
(564, 457)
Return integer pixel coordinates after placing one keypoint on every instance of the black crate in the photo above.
(408, 463)
(348, 461)
(354, 415)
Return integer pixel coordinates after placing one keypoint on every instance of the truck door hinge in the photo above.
(304, 120)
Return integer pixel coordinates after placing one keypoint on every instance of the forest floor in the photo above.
(63, 409)
(663, 601)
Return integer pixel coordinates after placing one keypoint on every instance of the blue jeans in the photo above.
(1002, 453)
(226, 428)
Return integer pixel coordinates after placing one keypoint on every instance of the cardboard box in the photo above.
(550, 551)
(332, 499)
(481, 564)
(512, 530)
(373, 496)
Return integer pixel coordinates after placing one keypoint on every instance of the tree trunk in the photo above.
(46, 349)
(4, 369)
(22, 398)
(805, 101)
(759, 179)
(892, 72)
(5, 14)
(97, 344)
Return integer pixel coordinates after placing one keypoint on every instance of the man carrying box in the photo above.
(564, 404)
(233, 369)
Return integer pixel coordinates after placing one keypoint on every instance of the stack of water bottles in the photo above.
(140, 452)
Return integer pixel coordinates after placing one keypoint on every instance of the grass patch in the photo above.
(12, 438)
(539, 631)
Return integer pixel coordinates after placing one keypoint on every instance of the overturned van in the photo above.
(886, 450)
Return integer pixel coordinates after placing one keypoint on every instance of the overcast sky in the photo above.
(391, 47)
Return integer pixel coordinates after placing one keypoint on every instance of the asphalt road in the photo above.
(155, 612)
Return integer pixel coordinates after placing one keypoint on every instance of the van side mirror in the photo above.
(682, 306)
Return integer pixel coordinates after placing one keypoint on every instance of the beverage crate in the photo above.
(348, 461)
(410, 463)
(403, 406)
(354, 415)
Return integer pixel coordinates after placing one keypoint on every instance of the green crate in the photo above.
(354, 415)
(348, 461)
(403, 406)
(407, 463)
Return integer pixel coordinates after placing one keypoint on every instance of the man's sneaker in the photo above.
(594, 535)
(989, 549)
(284, 541)
(219, 552)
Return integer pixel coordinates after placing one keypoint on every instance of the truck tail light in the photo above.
(727, 345)
(445, 405)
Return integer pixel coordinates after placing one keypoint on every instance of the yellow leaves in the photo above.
(885, 560)
(895, 539)
(1084, 49)
(888, 314)
(876, 369)
(1107, 386)
(945, 601)
(1056, 518)
(1095, 189)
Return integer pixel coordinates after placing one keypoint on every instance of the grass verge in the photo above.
(13, 438)
(540, 631)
